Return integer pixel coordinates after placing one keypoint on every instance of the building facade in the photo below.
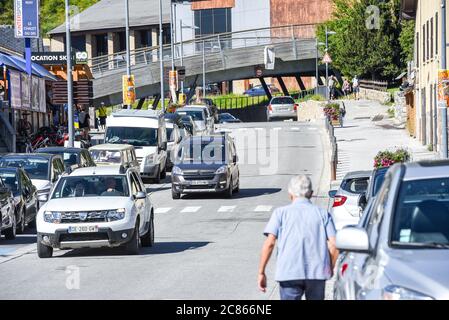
(427, 63)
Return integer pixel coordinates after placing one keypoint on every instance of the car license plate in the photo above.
(199, 182)
(82, 229)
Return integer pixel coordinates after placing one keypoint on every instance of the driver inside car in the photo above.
(111, 189)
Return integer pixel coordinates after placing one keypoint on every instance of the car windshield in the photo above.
(37, 168)
(70, 158)
(106, 156)
(196, 115)
(9, 178)
(355, 185)
(139, 137)
(226, 116)
(210, 152)
(91, 186)
(421, 217)
(283, 100)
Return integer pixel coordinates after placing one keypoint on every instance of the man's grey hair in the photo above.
(300, 187)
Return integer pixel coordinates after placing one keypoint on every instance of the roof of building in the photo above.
(12, 45)
(110, 14)
(19, 64)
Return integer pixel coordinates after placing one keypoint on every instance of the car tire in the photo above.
(230, 190)
(148, 239)
(21, 228)
(10, 233)
(157, 179)
(175, 195)
(237, 189)
(132, 246)
(43, 251)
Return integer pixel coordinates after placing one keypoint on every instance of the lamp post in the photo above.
(443, 104)
(183, 26)
(69, 75)
(128, 55)
(204, 71)
(327, 63)
(317, 74)
(161, 56)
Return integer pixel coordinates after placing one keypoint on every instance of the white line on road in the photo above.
(295, 129)
(162, 210)
(226, 209)
(258, 129)
(263, 208)
(243, 129)
(190, 209)
(312, 129)
(277, 128)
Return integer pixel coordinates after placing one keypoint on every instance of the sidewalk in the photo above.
(361, 139)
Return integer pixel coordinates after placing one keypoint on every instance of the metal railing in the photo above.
(215, 44)
(374, 85)
(7, 133)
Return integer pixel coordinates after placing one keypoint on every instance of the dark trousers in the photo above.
(294, 290)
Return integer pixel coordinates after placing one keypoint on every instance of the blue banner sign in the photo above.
(26, 18)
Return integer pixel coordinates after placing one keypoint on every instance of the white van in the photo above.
(145, 130)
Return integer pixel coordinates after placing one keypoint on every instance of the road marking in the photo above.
(162, 210)
(226, 209)
(277, 128)
(263, 208)
(312, 129)
(243, 129)
(295, 129)
(190, 209)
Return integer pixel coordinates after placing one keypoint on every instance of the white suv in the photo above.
(96, 207)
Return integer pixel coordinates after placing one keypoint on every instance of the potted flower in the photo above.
(387, 158)
(333, 112)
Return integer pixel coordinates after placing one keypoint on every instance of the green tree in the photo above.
(52, 12)
(363, 45)
(407, 40)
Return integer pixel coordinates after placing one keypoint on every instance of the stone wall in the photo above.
(381, 96)
(311, 110)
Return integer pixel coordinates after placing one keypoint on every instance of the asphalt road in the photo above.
(207, 247)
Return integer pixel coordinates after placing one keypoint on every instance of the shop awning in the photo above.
(19, 64)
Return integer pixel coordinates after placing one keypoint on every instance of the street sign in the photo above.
(269, 57)
(258, 71)
(181, 73)
(26, 18)
(58, 58)
(443, 86)
(82, 92)
(327, 58)
(129, 91)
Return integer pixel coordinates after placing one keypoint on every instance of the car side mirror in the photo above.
(42, 197)
(140, 195)
(353, 240)
(332, 193)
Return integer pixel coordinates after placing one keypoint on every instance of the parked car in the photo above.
(345, 209)
(145, 130)
(403, 248)
(199, 168)
(25, 196)
(74, 158)
(260, 91)
(8, 218)
(114, 211)
(115, 154)
(282, 108)
(202, 118)
(44, 170)
(227, 118)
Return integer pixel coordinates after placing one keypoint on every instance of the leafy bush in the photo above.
(387, 158)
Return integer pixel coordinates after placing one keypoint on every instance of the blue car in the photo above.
(259, 91)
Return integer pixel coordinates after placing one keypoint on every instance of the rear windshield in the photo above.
(196, 115)
(283, 100)
(355, 185)
(37, 168)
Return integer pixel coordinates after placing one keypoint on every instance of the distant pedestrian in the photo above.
(331, 87)
(102, 114)
(356, 87)
(84, 120)
(306, 245)
(346, 87)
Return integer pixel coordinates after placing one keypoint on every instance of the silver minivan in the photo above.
(282, 108)
(400, 249)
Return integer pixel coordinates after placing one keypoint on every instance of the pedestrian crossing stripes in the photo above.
(295, 129)
(226, 209)
(162, 210)
(263, 208)
(190, 209)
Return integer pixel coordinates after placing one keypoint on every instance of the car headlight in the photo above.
(114, 215)
(52, 217)
(177, 170)
(222, 169)
(393, 292)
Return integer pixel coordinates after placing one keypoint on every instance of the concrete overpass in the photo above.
(231, 56)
